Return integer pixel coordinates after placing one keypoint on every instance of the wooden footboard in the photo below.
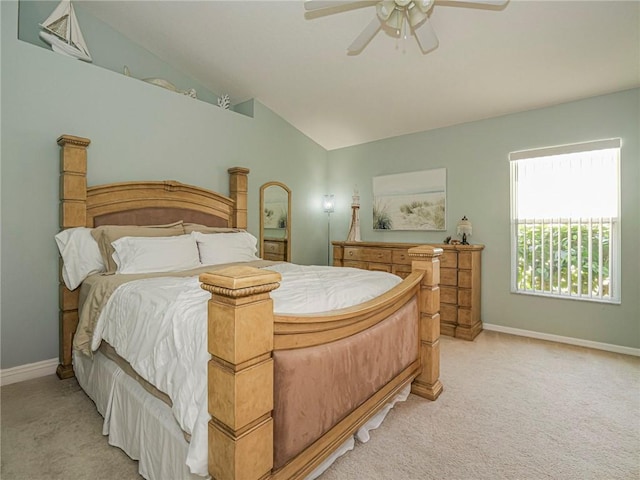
(244, 333)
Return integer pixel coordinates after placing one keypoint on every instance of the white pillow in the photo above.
(217, 248)
(155, 254)
(80, 255)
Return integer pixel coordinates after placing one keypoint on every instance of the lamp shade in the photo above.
(328, 203)
(464, 229)
(464, 226)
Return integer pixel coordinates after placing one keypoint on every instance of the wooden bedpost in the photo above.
(238, 187)
(240, 378)
(73, 213)
(427, 383)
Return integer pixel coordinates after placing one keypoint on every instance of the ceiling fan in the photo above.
(398, 17)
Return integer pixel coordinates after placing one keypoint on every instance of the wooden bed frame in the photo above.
(244, 332)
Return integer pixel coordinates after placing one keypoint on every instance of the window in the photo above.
(565, 221)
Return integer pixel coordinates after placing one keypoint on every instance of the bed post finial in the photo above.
(73, 181)
(238, 187)
(240, 377)
(73, 213)
(427, 383)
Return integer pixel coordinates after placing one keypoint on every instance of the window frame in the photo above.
(615, 223)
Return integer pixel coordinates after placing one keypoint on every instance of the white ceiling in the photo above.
(491, 61)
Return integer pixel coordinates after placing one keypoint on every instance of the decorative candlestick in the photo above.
(354, 229)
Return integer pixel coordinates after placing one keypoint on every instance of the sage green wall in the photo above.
(138, 131)
(109, 49)
(476, 158)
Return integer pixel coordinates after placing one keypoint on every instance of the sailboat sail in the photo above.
(62, 31)
(76, 35)
(59, 27)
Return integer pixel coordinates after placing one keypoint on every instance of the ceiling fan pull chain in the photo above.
(405, 27)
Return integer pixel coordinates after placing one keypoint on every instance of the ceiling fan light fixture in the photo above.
(395, 20)
(385, 9)
(415, 15)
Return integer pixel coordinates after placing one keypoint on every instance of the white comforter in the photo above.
(159, 325)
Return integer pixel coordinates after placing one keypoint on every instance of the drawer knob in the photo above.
(351, 254)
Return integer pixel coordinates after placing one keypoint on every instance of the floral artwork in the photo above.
(410, 201)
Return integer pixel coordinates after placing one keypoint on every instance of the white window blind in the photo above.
(565, 205)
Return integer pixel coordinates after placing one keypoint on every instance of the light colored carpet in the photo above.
(512, 408)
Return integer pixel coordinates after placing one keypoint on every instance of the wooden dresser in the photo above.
(275, 249)
(459, 278)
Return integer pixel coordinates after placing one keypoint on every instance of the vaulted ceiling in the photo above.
(490, 61)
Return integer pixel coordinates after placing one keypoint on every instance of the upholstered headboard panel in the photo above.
(153, 203)
(159, 216)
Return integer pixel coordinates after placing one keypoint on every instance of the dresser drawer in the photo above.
(465, 316)
(362, 265)
(400, 257)
(367, 254)
(273, 247)
(449, 260)
(464, 278)
(449, 276)
(464, 297)
(465, 260)
(448, 295)
(274, 257)
(449, 313)
(379, 267)
(401, 270)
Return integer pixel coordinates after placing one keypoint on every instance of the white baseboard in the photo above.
(27, 372)
(560, 339)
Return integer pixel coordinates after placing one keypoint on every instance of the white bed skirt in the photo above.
(140, 424)
(144, 427)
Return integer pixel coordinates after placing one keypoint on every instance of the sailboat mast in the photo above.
(72, 14)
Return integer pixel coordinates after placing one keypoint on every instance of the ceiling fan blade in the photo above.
(426, 36)
(313, 5)
(365, 36)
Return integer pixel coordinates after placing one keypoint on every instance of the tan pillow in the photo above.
(196, 227)
(106, 234)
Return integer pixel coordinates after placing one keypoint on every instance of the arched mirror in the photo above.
(275, 222)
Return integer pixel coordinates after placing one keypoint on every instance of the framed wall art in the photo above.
(411, 201)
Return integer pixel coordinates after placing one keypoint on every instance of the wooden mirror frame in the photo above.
(287, 247)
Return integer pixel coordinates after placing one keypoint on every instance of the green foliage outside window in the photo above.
(554, 258)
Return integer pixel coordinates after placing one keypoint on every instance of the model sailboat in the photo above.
(62, 32)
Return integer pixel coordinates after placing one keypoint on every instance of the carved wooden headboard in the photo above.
(133, 203)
